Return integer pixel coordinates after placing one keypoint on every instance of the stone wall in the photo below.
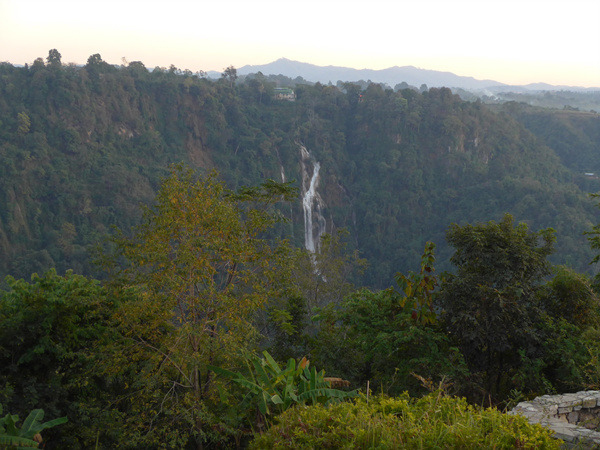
(573, 417)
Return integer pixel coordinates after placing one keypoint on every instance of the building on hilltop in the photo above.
(285, 94)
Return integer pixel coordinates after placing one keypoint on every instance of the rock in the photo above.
(574, 417)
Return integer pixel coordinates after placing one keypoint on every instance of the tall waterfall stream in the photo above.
(312, 203)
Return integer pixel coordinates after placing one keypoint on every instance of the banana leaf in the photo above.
(17, 442)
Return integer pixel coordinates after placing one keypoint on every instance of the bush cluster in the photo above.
(433, 421)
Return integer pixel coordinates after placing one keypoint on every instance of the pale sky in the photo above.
(511, 41)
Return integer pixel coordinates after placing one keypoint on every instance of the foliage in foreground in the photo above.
(272, 389)
(133, 362)
(490, 304)
(28, 435)
(203, 269)
(434, 421)
(50, 330)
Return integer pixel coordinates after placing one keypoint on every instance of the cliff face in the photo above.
(81, 148)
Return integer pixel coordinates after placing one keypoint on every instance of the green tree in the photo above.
(594, 240)
(314, 281)
(94, 59)
(54, 58)
(204, 269)
(569, 296)
(570, 336)
(490, 305)
(230, 74)
(390, 337)
(50, 329)
(23, 124)
(327, 276)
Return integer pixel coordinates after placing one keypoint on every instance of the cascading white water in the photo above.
(312, 203)
(307, 204)
(281, 171)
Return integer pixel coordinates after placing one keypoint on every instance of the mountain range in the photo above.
(391, 76)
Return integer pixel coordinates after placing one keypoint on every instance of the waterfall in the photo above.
(281, 171)
(312, 203)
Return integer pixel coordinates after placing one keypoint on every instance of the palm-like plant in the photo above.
(273, 389)
(28, 436)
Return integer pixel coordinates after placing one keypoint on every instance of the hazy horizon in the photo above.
(512, 42)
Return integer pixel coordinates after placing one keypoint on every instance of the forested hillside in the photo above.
(82, 147)
(573, 135)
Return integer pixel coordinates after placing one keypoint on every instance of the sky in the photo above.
(511, 41)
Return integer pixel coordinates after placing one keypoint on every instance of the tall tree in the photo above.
(54, 58)
(230, 74)
(205, 270)
(490, 305)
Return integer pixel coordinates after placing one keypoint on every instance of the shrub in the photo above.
(434, 421)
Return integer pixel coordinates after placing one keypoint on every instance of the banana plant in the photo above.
(274, 389)
(28, 436)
